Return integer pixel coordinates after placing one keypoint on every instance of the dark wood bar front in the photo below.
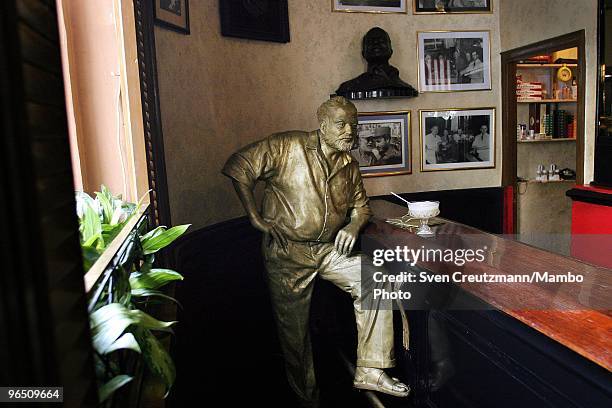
(531, 344)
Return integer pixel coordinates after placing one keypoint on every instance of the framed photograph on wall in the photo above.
(457, 139)
(452, 6)
(173, 14)
(452, 61)
(263, 20)
(370, 6)
(383, 145)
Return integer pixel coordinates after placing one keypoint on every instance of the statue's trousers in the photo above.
(291, 276)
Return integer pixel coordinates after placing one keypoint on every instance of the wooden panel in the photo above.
(43, 87)
(46, 121)
(48, 185)
(45, 280)
(39, 50)
(52, 158)
(40, 16)
(154, 138)
(515, 366)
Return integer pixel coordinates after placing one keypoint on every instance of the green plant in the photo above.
(123, 324)
(100, 220)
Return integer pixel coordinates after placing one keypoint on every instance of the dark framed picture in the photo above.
(452, 61)
(173, 14)
(452, 6)
(370, 6)
(383, 145)
(457, 139)
(264, 20)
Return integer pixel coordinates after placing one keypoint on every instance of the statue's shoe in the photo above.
(375, 379)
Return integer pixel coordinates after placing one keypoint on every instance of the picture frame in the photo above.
(454, 61)
(383, 146)
(452, 7)
(255, 20)
(457, 139)
(370, 6)
(173, 15)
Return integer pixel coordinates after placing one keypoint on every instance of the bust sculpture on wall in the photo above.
(381, 80)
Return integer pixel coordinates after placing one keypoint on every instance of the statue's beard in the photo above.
(340, 143)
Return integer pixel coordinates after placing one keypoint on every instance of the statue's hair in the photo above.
(333, 102)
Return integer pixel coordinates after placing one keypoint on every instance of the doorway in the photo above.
(543, 137)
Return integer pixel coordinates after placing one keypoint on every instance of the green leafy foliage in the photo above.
(162, 238)
(153, 279)
(155, 356)
(123, 325)
(113, 385)
(100, 221)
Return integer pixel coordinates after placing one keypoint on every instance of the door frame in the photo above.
(509, 60)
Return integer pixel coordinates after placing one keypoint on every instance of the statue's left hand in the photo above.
(346, 238)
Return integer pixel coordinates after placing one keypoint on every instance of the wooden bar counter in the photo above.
(539, 344)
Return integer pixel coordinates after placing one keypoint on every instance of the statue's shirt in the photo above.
(305, 199)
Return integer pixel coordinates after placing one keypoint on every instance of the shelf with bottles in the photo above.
(541, 66)
(534, 181)
(562, 139)
(551, 83)
(547, 101)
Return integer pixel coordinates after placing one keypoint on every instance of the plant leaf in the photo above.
(105, 198)
(113, 385)
(153, 233)
(91, 224)
(142, 292)
(163, 239)
(83, 200)
(90, 256)
(125, 342)
(147, 321)
(156, 358)
(108, 323)
(153, 279)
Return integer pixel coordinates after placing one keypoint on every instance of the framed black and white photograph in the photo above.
(456, 139)
(264, 20)
(383, 143)
(370, 6)
(452, 6)
(173, 14)
(452, 61)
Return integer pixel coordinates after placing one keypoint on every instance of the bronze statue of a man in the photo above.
(312, 187)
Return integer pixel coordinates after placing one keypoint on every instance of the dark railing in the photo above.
(108, 277)
(122, 260)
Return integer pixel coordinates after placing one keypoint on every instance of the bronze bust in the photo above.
(381, 79)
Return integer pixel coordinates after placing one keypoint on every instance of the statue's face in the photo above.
(339, 129)
(377, 46)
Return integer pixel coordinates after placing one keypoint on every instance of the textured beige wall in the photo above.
(523, 22)
(218, 94)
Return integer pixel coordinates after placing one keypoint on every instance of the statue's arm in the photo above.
(360, 216)
(245, 168)
(247, 198)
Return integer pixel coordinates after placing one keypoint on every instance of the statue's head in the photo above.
(376, 46)
(338, 123)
